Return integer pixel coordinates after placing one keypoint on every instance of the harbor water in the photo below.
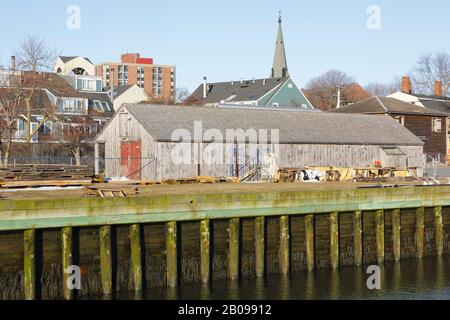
(427, 279)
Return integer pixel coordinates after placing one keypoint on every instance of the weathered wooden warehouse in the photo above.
(161, 142)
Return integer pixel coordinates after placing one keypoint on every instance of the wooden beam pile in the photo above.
(201, 179)
(39, 172)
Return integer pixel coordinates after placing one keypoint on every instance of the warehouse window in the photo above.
(437, 125)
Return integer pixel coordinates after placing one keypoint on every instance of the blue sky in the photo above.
(233, 39)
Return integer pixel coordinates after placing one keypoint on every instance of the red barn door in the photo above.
(130, 159)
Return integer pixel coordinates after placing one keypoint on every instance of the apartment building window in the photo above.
(105, 75)
(437, 125)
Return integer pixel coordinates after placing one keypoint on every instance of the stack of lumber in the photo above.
(201, 179)
(38, 172)
(44, 175)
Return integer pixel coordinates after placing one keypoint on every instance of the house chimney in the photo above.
(438, 88)
(205, 93)
(13, 63)
(406, 85)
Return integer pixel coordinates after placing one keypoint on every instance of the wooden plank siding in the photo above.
(157, 162)
(422, 126)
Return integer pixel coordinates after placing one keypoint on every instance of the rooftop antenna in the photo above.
(279, 16)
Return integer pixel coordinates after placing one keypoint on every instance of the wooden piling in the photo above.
(334, 240)
(396, 232)
(420, 229)
(439, 231)
(309, 241)
(357, 238)
(379, 222)
(233, 248)
(136, 256)
(260, 246)
(284, 245)
(171, 247)
(106, 259)
(29, 264)
(67, 260)
(205, 255)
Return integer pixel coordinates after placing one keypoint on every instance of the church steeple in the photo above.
(279, 68)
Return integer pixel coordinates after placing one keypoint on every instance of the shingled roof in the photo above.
(235, 91)
(66, 59)
(294, 126)
(441, 104)
(385, 105)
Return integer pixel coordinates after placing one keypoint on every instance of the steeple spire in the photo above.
(279, 68)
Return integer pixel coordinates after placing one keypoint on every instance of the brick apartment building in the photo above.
(158, 81)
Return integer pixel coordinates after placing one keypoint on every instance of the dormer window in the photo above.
(98, 106)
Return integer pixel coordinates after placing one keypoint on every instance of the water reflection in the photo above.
(310, 286)
(259, 289)
(410, 279)
(334, 285)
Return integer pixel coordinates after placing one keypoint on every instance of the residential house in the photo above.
(58, 104)
(127, 94)
(100, 108)
(427, 124)
(74, 66)
(279, 90)
(275, 92)
(437, 101)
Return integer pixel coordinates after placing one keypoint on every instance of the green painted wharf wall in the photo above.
(153, 213)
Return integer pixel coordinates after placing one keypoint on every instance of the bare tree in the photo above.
(430, 68)
(11, 99)
(323, 90)
(161, 100)
(34, 56)
(181, 95)
(376, 89)
(77, 134)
